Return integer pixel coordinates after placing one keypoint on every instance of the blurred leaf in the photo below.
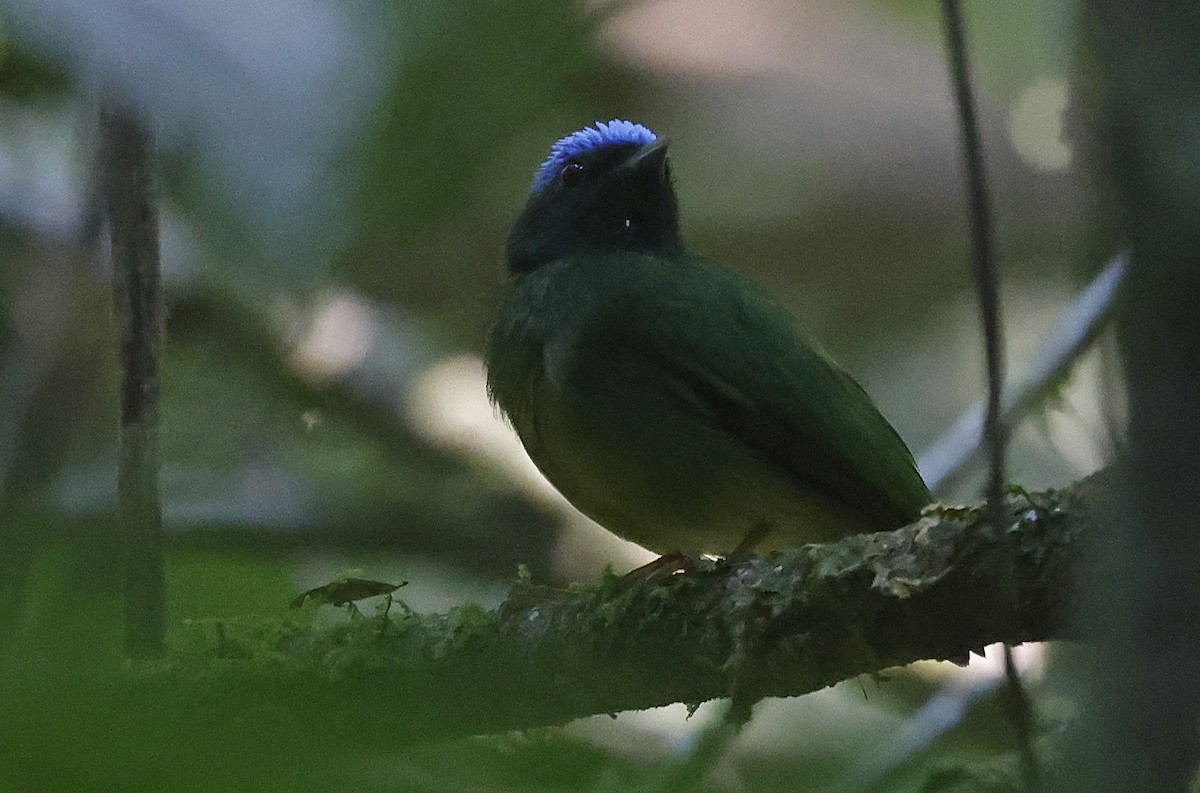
(209, 586)
(268, 95)
(25, 77)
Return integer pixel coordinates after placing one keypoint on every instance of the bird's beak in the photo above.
(650, 158)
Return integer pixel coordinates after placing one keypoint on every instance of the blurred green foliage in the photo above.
(313, 150)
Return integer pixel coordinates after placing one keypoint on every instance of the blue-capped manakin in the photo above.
(668, 398)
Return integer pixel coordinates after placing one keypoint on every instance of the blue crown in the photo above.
(585, 140)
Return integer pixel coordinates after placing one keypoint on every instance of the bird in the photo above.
(671, 399)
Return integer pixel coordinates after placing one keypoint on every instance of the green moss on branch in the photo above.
(780, 625)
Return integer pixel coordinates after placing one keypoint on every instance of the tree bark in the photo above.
(131, 207)
(1146, 58)
(779, 625)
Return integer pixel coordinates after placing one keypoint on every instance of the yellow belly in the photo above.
(668, 482)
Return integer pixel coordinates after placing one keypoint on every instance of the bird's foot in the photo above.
(663, 567)
(745, 549)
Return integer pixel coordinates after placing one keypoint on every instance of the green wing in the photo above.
(736, 359)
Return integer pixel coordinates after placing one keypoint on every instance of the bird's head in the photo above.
(603, 188)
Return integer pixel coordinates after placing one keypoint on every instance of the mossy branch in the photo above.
(781, 625)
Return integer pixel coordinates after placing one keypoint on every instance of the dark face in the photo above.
(615, 197)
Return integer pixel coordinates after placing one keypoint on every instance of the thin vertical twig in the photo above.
(131, 209)
(986, 283)
(988, 289)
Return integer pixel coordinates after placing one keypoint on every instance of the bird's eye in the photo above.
(571, 174)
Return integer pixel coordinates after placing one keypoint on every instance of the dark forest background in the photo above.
(337, 180)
